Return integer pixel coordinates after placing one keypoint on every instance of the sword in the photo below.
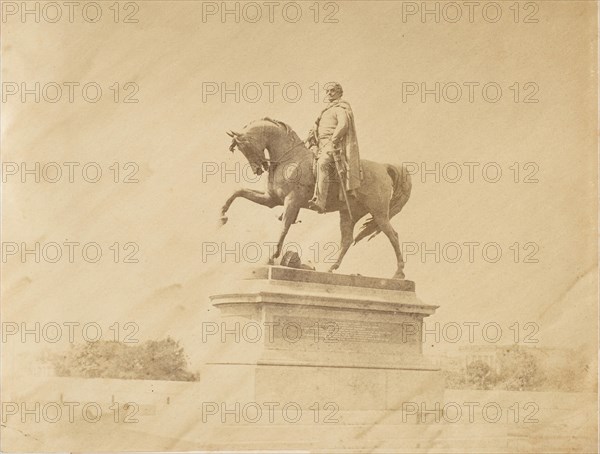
(341, 174)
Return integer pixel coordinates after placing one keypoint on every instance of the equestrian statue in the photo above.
(325, 174)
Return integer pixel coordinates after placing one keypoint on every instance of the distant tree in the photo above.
(150, 360)
(519, 369)
(165, 358)
(480, 375)
(571, 373)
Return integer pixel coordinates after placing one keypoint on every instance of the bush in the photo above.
(150, 360)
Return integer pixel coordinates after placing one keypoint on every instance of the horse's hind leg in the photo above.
(347, 231)
(386, 227)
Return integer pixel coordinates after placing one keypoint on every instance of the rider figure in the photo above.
(334, 137)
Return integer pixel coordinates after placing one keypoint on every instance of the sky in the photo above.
(176, 132)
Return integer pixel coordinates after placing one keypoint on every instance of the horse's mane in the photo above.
(281, 124)
(288, 130)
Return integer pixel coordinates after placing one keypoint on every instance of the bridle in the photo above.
(272, 162)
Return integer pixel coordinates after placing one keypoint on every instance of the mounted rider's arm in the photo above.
(342, 127)
(311, 139)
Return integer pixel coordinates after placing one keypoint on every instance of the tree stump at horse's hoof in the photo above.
(305, 336)
(291, 259)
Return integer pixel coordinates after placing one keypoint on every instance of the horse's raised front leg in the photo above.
(347, 231)
(262, 198)
(291, 207)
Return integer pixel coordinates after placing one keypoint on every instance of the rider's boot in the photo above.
(319, 200)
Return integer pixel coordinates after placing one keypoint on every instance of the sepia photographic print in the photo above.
(354, 226)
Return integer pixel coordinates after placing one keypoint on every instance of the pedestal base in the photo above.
(303, 336)
(349, 388)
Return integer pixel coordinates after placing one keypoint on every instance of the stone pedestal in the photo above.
(304, 337)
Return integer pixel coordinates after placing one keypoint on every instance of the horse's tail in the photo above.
(402, 185)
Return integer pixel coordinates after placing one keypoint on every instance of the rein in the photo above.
(272, 161)
(280, 160)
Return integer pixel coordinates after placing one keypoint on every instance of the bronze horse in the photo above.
(384, 190)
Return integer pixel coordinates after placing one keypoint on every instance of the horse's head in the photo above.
(251, 149)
